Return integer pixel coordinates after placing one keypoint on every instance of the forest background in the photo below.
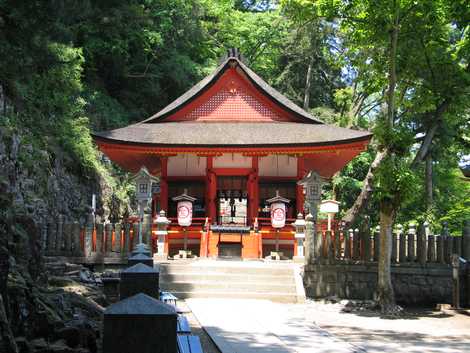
(71, 67)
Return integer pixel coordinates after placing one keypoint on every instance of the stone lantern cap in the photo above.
(139, 305)
(139, 278)
(277, 198)
(299, 225)
(161, 219)
(144, 174)
(300, 221)
(141, 248)
(140, 268)
(184, 197)
(140, 258)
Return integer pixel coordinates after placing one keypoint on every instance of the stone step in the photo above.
(220, 277)
(273, 296)
(268, 271)
(224, 286)
(230, 279)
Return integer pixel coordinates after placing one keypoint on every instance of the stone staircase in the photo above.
(232, 279)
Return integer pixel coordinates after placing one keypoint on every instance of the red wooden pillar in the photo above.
(254, 189)
(211, 191)
(204, 245)
(300, 197)
(164, 185)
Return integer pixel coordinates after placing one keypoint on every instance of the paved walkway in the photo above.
(249, 326)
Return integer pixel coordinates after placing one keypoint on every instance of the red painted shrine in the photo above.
(232, 141)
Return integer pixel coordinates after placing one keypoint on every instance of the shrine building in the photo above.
(232, 142)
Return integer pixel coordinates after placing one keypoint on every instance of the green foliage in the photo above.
(75, 137)
(70, 67)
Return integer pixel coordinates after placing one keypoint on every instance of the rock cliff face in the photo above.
(36, 313)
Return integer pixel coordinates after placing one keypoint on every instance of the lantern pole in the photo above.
(277, 239)
(141, 217)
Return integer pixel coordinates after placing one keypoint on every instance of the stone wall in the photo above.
(413, 283)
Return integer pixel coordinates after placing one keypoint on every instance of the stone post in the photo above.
(43, 230)
(299, 225)
(366, 255)
(126, 245)
(356, 245)
(88, 241)
(99, 238)
(310, 239)
(117, 238)
(135, 234)
(394, 256)
(466, 240)
(348, 234)
(411, 242)
(337, 252)
(402, 244)
(51, 234)
(59, 242)
(440, 258)
(457, 245)
(329, 247)
(67, 239)
(455, 261)
(108, 230)
(147, 227)
(162, 232)
(431, 243)
(76, 245)
(422, 243)
(448, 244)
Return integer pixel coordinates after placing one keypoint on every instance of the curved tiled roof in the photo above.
(232, 134)
(264, 87)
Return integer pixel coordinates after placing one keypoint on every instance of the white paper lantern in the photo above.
(185, 213)
(278, 214)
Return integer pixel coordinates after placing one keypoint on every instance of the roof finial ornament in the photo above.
(233, 53)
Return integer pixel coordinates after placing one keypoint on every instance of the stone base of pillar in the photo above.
(183, 254)
(275, 255)
(160, 257)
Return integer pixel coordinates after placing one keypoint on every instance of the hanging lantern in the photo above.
(184, 209)
(278, 210)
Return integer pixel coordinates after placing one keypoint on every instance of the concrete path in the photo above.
(249, 326)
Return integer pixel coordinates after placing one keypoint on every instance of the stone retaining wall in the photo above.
(413, 283)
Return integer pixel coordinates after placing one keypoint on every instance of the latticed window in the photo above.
(143, 188)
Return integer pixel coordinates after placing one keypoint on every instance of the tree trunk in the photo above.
(385, 294)
(388, 207)
(308, 83)
(429, 186)
(362, 200)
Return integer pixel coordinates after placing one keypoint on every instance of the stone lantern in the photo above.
(162, 231)
(299, 225)
(184, 212)
(330, 207)
(312, 184)
(278, 206)
(143, 181)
